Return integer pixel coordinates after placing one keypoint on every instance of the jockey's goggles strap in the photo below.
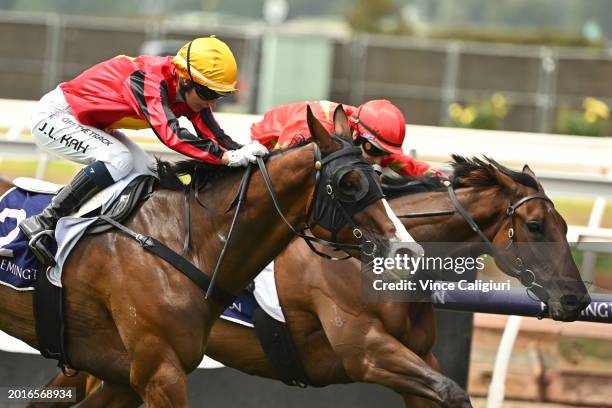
(372, 131)
(202, 91)
(188, 62)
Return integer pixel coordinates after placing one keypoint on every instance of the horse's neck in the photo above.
(259, 234)
(484, 205)
(5, 185)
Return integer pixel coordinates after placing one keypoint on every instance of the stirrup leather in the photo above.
(39, 248)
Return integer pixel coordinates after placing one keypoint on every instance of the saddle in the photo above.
(48, 298)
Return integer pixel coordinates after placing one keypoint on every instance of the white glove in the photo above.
(246, 154)
(257, 149)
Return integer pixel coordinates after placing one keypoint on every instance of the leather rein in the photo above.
(516, 269)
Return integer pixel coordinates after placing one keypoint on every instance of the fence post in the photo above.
(359, 50)
(54, 52)
(451, 74)
(547, 84)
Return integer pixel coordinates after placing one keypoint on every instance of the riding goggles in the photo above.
(208, 94)
(372, 150)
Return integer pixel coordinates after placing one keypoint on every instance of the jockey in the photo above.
(378, 127)
(78, 120)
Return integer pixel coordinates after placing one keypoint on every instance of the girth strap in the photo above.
(198, 277)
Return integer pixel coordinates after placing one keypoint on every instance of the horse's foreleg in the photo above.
(370, 354)
(109, 395)
(412, 401)
(158, 376)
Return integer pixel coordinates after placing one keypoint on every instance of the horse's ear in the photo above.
(319, 134)
(341, 124)
(505, 181)
(527, 170)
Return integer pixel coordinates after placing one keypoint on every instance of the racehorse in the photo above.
(341, 339)
(139, 324)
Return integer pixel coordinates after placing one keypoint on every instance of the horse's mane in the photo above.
(168, 173)
(476, 172)
(398, 187)
(467, 172)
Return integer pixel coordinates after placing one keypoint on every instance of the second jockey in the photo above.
(378, 127)
(78, 121)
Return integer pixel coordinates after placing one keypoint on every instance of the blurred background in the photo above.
(524, 81)
(524, 65)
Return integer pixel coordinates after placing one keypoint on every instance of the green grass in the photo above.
(58, 171)
(576, 211)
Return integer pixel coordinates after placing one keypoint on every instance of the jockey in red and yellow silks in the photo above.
(378, 126)
(78, 121)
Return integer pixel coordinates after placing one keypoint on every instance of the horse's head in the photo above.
(529, 237)
(348, 204)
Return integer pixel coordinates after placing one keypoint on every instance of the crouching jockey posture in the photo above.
(78, 121)
(378, 127)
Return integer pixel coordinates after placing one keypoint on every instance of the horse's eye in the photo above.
(535, 227)
(347, 185)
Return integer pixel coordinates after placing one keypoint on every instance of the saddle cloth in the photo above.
(18, 266)
(264, 296)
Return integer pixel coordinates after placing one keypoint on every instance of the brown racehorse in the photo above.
(340, 339)
(139, 324)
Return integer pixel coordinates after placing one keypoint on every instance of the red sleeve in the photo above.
(268, 130)
(282, 126)
(207, 127)
(151, 94)
(408, 166)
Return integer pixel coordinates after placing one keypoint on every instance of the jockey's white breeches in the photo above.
(56, 131)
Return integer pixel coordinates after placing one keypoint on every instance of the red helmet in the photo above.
(382, 124)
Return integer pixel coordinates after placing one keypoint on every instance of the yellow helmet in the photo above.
(208, 62)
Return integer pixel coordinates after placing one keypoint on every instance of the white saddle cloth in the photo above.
(266, 295)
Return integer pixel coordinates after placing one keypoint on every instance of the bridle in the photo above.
(329, 170)
(517, 269)
(328, 208)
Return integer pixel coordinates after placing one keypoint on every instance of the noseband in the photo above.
(329, 208)
(517, 268)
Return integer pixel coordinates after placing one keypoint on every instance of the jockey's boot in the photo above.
(39, 229)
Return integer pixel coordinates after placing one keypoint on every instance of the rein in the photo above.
(200, 278)
(518, 268)
(523, 274)
(319, 163)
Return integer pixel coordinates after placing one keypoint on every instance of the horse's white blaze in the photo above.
(401, 234)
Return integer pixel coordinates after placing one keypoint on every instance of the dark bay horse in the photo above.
(139, 324)
(341, 339)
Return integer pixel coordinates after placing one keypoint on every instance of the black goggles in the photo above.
(372, 150)
(206, 93)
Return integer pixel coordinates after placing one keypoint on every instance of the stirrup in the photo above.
(40, 250)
